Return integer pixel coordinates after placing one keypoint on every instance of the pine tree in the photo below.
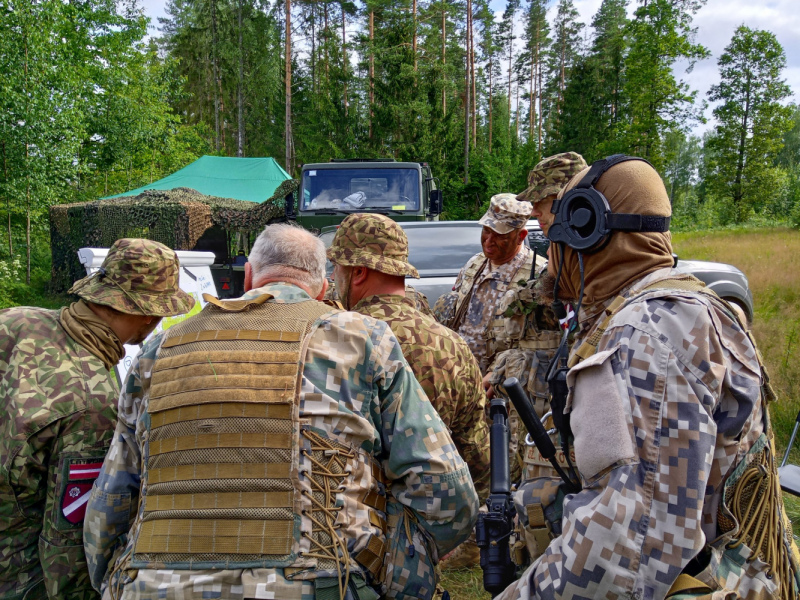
(537, 41)
(593, 99)
(564, 53)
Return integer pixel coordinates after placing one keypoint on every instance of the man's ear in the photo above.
(523, 233)
(358, 276)
(248, 277)
(321, 295)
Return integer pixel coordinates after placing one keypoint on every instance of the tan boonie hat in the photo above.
(551, 174)
(372, 241)
(506, 213)
(137, 277)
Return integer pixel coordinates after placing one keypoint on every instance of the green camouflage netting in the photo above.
(176, 218)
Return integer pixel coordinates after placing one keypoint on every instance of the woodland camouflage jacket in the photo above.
(58, 420)
(666, 416)
(358, 389)
(448, 372)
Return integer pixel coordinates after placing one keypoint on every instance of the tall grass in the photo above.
(771, 260)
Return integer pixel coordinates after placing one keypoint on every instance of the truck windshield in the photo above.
(352, 190)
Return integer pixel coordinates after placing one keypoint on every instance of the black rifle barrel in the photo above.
(498, 438)
(532, 423)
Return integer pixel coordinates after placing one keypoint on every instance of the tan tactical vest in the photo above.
(233, 478)
(474, 268)
(511, 326)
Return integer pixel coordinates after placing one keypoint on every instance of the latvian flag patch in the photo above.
(80, 478)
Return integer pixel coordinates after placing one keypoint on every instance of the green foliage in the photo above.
(659, 35)
(751, 122)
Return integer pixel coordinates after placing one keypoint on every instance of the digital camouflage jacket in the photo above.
(668, 423)
(488, 286)
(57, 423)
(448, 372)
(357, 388)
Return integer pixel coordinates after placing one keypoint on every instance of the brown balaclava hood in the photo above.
(630, 187)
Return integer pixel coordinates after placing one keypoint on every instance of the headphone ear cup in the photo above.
(581, 220)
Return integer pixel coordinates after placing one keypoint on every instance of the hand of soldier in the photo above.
(488, 386)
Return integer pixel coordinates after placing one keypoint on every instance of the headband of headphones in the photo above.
(583, 218)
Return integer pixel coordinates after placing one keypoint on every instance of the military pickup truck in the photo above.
(404, 191)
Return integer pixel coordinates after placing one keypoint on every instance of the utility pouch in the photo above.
(539, 506)
(411, 557)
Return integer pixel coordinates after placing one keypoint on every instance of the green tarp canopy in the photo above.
(253, 179)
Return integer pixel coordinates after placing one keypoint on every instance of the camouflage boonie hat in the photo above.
(372, 241)
(551, 174)
(137, 277)
(506, 213)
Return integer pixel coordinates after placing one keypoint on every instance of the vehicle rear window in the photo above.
(442, 248)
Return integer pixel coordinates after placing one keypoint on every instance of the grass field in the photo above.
(771, 260)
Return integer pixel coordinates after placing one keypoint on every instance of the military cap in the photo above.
(506, 213)
(551, 174)
(137, 277)
(372, 241)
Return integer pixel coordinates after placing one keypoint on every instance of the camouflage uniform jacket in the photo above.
(448, 372)
(662, 415)
(355, 386)
(491, 284)
(58, 420)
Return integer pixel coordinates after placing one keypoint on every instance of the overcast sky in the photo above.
(715, 23)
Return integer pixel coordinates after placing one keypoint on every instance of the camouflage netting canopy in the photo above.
(176, 218)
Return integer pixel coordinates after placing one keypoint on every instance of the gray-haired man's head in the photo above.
(288, 252)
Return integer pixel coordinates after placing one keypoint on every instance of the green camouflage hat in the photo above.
(137, 277)
(372, 241)
(506, 213)
(551, 174)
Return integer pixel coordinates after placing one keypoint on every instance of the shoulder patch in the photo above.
(77, 477)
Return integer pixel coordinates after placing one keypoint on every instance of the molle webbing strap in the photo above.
(223, 431)
(461, 308)
(589, 345)
(371, 557)
(232, 334)
(545, 342)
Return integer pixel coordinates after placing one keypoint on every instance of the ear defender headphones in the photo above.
(583, 218)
